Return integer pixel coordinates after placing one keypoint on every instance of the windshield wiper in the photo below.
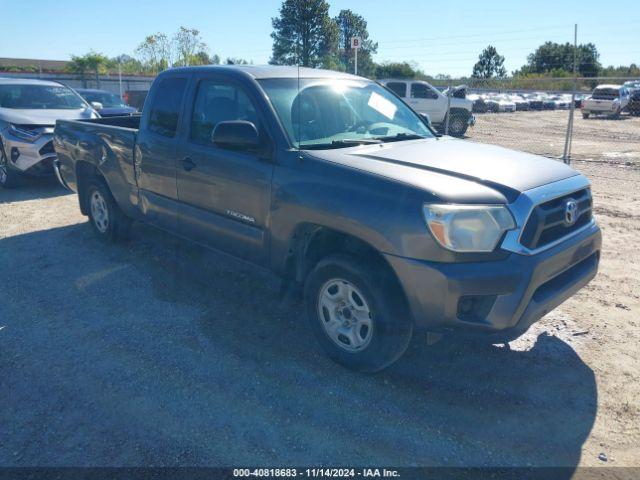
(347, 142)
(400, 137)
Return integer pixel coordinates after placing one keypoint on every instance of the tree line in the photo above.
(305, 34)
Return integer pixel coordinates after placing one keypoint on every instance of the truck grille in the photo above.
(547, 224)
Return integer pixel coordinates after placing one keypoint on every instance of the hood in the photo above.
(455, 170)
(43, 116)
(114, 111)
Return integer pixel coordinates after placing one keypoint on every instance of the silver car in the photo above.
(28, 112)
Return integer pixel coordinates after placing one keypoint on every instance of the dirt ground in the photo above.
(158, 352)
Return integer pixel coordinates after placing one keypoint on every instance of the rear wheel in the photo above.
(8, 178)
(359, 319)
(106, 218)
(585, 115)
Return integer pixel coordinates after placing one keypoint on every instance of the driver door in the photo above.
(224, 194)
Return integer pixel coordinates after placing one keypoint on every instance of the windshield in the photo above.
(318, 113)
(39, 97)
(105, 98)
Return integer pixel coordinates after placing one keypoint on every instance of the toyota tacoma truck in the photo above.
(425, 98)
(334, 184)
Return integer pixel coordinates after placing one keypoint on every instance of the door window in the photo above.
(399, 88)
(420, 90)
(166, 105)
(218, 101)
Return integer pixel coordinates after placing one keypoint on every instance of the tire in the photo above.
(458, 124)
(373, 326)
(8, 178)
(616, 115)
(585, 115)
(107, 220)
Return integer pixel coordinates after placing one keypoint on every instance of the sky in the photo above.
(440, 37)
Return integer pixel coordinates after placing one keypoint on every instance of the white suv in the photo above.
(425, 98)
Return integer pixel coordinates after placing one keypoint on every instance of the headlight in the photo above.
(468, 228)
(28, 134)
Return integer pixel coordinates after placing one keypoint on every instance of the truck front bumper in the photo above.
(498, 299)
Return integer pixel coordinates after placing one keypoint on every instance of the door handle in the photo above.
(188, 164)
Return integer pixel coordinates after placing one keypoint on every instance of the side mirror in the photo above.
(97, 106)
(236, 135)
(426, 118)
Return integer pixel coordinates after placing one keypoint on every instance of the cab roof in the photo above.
(267, 71)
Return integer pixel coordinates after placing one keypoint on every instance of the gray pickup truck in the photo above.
(334, 184)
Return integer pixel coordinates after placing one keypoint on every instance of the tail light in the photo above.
(125, 97)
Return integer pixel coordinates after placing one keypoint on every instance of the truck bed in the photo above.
(106, 143)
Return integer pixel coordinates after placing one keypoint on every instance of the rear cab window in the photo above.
(421, 90)
(399, 88)
(166, 106)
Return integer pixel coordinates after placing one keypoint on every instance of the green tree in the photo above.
(304, 34)
(396, 70)
(490, 64)
(189, 46)
(127, 64)
(350, 25)
(236, 61)
(155, 52)
(557, 56)
(92, 62)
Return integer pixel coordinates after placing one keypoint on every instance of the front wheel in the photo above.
(8, 178)
(359, 318)
(585, 115)
(458, 124)
(106, 218)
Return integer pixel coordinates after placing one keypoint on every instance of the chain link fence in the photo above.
(533, 115)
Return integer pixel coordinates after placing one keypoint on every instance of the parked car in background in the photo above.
(632, 85)
(135, 98)
(607, 100)
(505, 104)
(535, 101)
(479, 105)
(578, 99)
(106, 103)
(28, 112)
(334, 184)
(424, 98)
(522, 104)
(633, 107)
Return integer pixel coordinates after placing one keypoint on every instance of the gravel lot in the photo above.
(158, 352)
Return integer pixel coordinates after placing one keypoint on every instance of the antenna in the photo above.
(299, 103)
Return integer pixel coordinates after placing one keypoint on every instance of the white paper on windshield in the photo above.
(382, 105)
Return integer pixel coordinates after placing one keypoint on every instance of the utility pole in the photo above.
(566, 156)
(120, 77)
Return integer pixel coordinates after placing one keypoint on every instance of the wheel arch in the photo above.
(85, 172)
(310, 243)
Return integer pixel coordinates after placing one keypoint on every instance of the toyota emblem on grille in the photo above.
(570, 212)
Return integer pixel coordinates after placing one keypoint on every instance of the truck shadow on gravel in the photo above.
(32, 189)
(182, 356)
